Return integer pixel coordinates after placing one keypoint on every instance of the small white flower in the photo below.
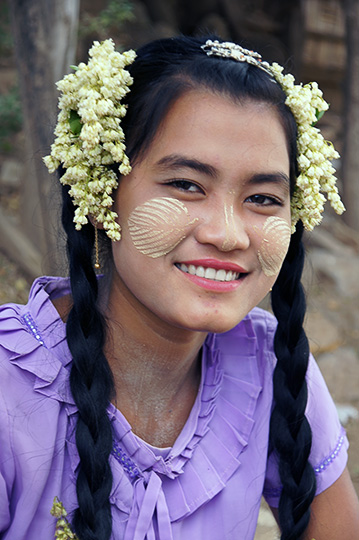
(87, 147)
(314, 153)
(93, 92)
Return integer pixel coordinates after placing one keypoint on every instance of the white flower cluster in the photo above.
(89, 136)
(314, 153)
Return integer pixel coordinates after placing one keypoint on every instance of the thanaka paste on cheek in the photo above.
(158, 226)
(274, 246)
(230, 240)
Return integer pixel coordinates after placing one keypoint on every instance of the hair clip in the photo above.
(227, 49)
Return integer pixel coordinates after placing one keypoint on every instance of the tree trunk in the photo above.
(45, 39)
(351, 117)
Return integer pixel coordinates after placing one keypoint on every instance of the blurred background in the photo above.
(41, 39)
(314, 39)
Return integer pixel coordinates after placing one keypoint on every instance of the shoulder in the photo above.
(29, 338)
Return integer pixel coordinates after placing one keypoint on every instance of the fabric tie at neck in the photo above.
(148, 504)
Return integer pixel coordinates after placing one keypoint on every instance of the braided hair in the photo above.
(290, 431)
(163, 71)
(91, 384)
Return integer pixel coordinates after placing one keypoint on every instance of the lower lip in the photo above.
(211, 285)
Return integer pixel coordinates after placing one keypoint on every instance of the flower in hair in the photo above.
(89, 136)
(63, 530)
(316, 173)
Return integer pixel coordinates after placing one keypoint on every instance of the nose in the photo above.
(224, 229)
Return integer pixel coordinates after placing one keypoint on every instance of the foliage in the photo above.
(115, 14)
(10, 116)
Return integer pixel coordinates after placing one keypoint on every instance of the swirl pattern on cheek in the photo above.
(158, 226)
(274, 246)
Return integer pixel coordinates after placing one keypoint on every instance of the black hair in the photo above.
(91, 383)
(290, 432)
(163, 71)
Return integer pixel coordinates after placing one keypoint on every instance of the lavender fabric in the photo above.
(208, 485)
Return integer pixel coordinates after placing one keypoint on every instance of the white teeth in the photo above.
(221, 275)
(209, 273)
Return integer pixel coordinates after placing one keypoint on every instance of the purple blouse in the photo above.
(208, 485)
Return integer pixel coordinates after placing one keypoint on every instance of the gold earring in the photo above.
(97, 261)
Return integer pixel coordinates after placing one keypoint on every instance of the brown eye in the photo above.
(185, 185)
(263, 200)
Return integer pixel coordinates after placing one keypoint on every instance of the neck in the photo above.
(156, 372)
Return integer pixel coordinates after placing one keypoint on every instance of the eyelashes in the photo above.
(264, 200)
(186, 186)
(259, 199)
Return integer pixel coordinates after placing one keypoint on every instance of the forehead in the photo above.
(214, 128)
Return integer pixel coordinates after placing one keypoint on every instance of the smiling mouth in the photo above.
(209, 273)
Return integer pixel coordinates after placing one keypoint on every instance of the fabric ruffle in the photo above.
(194, 473)
(22, 335)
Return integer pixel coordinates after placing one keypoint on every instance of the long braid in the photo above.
(91, 385)
(290, 431)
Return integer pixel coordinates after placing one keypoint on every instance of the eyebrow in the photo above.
(177, 161)
(275, 178)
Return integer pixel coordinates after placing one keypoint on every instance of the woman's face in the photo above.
(205, 216)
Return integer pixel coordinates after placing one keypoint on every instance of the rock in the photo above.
(341, 373)
(323, 239)
(341, 271)
(266, 518)
(346, 413)
(267, 528)
(10, 174)
(322, 334)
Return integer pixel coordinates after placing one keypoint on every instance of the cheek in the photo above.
(274, 245)
(158, 226)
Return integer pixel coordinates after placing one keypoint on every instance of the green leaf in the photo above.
(319, 114)
(75, 123)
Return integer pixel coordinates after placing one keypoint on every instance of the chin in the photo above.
(221, 328)
(216, 326)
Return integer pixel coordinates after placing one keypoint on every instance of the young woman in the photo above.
(155, 401)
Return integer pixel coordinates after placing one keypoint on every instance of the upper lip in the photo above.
(216, 264)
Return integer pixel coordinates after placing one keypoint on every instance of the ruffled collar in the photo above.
(206, 453)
